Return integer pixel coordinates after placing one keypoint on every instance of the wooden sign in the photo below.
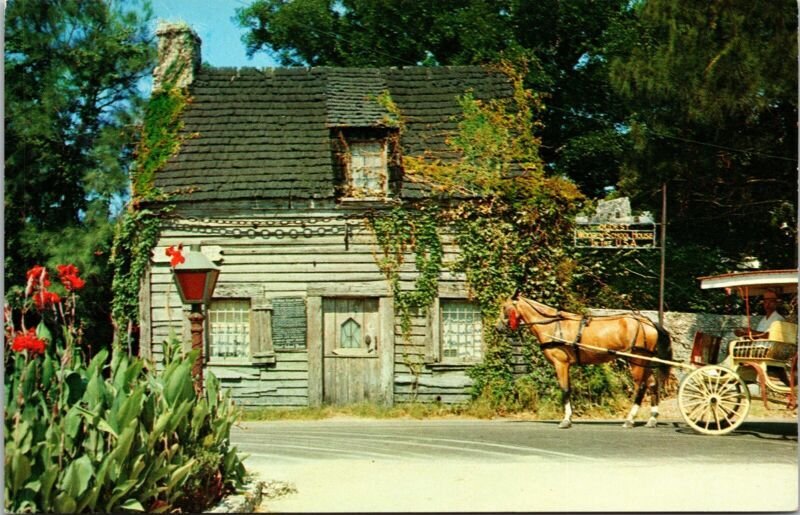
(615, 235)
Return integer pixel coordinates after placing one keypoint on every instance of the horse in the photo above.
(559, 332)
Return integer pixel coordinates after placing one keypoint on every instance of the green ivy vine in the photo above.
(403, 230)
(513, 226)
(138, 228)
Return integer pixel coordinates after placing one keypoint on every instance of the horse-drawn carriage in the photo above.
(713, 397)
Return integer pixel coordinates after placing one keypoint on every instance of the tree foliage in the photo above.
(712, 88)
(71, 70)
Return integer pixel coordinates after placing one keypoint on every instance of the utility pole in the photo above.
(663, 252)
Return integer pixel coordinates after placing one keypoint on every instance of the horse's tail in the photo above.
(663, 351)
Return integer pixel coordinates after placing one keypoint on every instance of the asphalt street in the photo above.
(343, 465)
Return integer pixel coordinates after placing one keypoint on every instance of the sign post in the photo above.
(663, 253)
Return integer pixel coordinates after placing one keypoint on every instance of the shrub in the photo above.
(108, 434)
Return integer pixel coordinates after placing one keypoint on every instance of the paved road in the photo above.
(474, 465)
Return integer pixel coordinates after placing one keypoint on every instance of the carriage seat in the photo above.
(785, 332)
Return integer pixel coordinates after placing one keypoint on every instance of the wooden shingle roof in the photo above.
(266, 134)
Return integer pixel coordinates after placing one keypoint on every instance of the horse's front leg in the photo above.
(562, 374)
(566, 423)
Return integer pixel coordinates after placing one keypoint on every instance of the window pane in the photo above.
(229, 329)
(368, 168)
(350, 337)
(461, 331)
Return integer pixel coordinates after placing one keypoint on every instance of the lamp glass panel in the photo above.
(193, 285)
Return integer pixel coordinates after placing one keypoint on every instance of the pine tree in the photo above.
(71, 74)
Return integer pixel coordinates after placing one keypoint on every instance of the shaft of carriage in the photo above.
(624, 354)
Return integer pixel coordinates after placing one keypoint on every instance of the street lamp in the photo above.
(195, 277)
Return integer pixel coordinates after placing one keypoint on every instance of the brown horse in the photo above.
(558, 333)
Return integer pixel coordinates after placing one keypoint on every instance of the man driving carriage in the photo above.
(770, 303)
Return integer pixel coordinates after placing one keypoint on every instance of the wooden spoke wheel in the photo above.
(713, 400)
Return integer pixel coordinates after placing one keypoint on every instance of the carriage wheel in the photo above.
(713, 400)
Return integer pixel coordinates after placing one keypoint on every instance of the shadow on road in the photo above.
(764, 430)
(761, 429)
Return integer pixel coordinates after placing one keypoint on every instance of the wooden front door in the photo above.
(351, 351)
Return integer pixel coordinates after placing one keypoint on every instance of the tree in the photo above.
(713, 94)
(71, 70)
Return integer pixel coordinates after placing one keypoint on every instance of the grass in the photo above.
(482, 409)
(364, 410)
(479, 409)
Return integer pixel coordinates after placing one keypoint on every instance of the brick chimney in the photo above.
(178, 56)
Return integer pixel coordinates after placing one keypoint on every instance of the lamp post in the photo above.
(195, 279)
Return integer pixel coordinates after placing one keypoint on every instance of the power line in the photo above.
(678, 138)
(723, 147)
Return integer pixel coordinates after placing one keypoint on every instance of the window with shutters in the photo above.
(239, 331)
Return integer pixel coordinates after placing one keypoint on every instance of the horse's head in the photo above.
(509, 319)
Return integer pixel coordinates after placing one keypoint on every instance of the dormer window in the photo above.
(368, 174)
(367, 164)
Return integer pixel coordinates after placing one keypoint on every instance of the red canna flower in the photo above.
(45, 298)
(37, 275)
(28, 341)
(175, 255)
(68, 274)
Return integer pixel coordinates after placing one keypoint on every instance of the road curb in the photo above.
(253, 493)
(244, 501)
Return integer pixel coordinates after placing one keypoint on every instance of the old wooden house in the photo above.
(302, 314)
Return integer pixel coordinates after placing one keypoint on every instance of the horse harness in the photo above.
(576, 343)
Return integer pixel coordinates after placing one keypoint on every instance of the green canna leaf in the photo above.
(43, 333)
(119, 491)
(76, 477)
(97, 363)
(179, 475)
(76, 387)
(178, 385)
(64, 503)
(132, 505)
(20, 471)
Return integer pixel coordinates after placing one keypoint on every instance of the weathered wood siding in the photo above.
(283, 256)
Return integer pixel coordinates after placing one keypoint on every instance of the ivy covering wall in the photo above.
(513, 223)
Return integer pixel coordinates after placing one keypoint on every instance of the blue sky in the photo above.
(212, 20)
